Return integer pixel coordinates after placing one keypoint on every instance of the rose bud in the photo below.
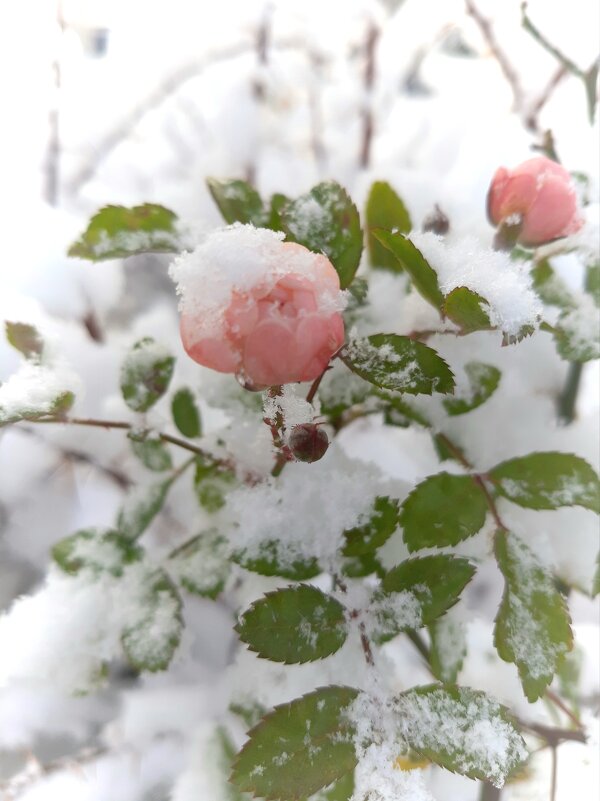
(308, 442)
(266, 310)
(538, 197)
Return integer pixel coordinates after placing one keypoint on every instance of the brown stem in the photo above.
(368, 84)
(557, 701)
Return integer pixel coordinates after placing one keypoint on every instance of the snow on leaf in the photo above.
(145, 374)
(299, 747)
(467, 310)
(326, 221)
(150, 450)
(448, 646)
(532, 625)
(96, 550)
(483, 382)
(398, 363)
(36, 391)
(140, 507)
(548, 480)
(294, 625)
(238, 202)
(201, 565)
(462, 730)
(116, 232)
(436, 583)
(551, 289)
(26, 339)
(154, 622)
(381, 524)
(577, 332)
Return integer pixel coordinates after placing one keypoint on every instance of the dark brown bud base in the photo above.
(308, 442)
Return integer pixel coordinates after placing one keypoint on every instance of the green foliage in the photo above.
(293, 625)
(398, 363)
(376, 531)
(212, 482)
(299, 747)
(151, 451)
(441, 724)
(145, 374)
(326, 221)
(116, 232)
(448, 648)
(201, 565)
(224, 758)
(26, 339)
(53, 409)
(238, 202)
(436, 583)
(551, 289)
(363, 565)
(442, 510)
(592, 281)
(410, 259)
(154, 631)
(186, 414)
(548, 480)
(97, 550)
(140, 508)
(271, 563)
(467, 310)
(483, 381)
(385, 210)
(577, 335)
(532, 625)
(399, 412)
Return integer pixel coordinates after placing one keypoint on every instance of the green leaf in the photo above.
(376, 531)
(399, 412)
(98, 550)
(186, 415)
(411, 259)
(548, 480)
(212, 482)
(326, 221)
(462, 730)
(551, 289)
(145, 374)
(151, 451)
(238, 202)
(294, 625)
(299, 748)
(153, 632)
(467, 310)
(140, 507)
(532, 625)
(429, 586)
(116, 232)
(278, 201)
(577, 333)
(442, 510)
(448, 647)
(270, 562)
(592, 281)
(360, 566)
(26, 339)
(52, 408)
(446, 450)
(399, 363)
(386, 211)
(341, 790)
(483, 381)
(201, 565)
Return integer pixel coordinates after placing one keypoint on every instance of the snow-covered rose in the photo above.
(267, 310)
(540, 195)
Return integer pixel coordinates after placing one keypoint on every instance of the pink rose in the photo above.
(266, 310)
(539, 194)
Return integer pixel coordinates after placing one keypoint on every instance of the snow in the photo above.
(35, 389)
(305, 510)
(238, 259)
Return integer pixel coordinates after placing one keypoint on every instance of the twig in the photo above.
(553, 772)
(34, 771)
(567, 400)
(558, 702)
(489, 792)
(368, 84)
(52, 162)
(507, 68)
